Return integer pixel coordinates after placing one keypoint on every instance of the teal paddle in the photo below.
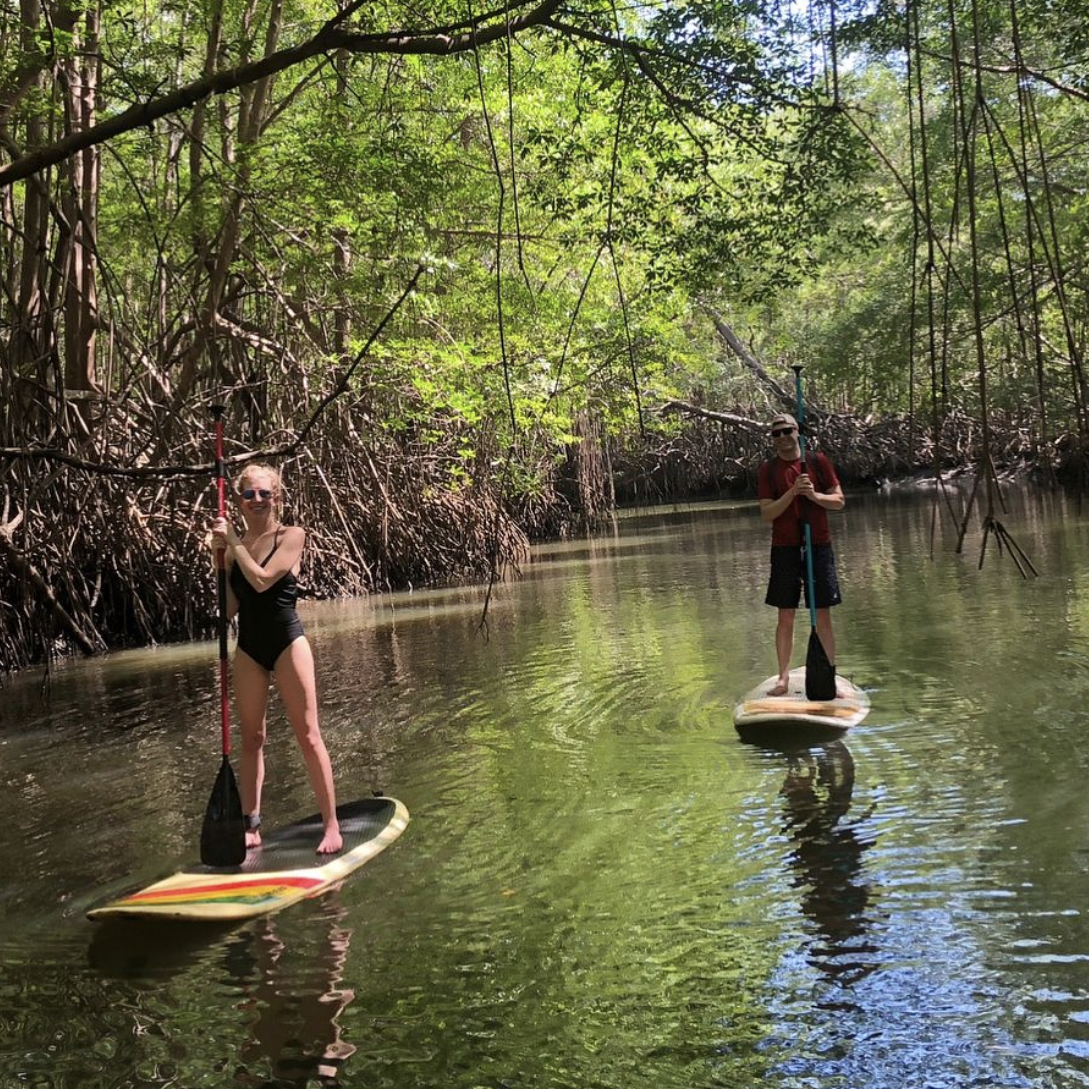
(820, 673)
(223, 834)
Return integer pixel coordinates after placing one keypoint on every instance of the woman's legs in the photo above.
(251, 699)
(298, 690)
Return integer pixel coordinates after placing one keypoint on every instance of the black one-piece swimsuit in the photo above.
(267, 621)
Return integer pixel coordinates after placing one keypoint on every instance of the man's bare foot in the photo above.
(780, 688)
(331, 842)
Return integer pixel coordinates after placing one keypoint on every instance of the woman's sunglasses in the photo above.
(779, 432)
(253, 493)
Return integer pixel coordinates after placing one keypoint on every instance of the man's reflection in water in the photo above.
(294, 1004)
(827, 859)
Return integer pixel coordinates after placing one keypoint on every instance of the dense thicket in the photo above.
(448, 267)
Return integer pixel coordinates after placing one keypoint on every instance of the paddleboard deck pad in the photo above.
(759, 710)
(282, 871)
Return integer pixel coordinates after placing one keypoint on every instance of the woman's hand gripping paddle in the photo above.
(223, 834)
(820, 673)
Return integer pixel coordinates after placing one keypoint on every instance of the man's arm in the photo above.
(770, 509)
(833, 500)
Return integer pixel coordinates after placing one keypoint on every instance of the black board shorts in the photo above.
(788, 579)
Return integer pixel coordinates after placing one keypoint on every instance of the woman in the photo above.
(262, 590)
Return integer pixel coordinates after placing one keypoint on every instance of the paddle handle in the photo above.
(797, 369)
(221, 586)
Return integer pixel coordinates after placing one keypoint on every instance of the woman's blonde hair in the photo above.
(260, 467)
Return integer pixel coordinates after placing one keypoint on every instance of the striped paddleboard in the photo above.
(282, 871)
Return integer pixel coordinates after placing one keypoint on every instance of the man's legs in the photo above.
(784, 647)
(784, 593)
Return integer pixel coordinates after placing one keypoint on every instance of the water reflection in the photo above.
(827, 859)
(287, 984)
(295, 999)
(603, 888)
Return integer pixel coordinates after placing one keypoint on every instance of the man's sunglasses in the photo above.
(779, 432)
(253, 493)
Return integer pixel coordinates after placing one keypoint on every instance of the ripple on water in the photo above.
(601, 886)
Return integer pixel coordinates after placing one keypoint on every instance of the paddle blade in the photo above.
(223, 834)
(820, 674)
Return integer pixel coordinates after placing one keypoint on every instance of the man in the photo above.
(789, 497)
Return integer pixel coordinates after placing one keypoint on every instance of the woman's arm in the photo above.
(284, 559)
(217, 544)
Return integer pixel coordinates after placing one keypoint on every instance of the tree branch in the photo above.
(686, 408)
(439, 42)
(735, 344)
(146, 472)
(1019, 70)
(89, 643)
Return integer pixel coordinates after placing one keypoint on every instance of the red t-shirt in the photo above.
(776, 477)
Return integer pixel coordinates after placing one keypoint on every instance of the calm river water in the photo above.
(601, 886)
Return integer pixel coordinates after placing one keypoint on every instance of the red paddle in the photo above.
(223, 834)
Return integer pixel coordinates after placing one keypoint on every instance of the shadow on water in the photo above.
(289, 986)
(786, 737)
(151, 949)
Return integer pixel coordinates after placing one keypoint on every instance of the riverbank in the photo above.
(98, 561)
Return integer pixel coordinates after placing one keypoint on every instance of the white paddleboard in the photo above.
(759, 709)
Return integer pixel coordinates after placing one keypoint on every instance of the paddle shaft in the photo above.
(223, 833)
(221, 580)
(797, 368)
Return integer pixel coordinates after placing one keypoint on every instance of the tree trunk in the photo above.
(80, 203)
(30, 347)
(252, 117)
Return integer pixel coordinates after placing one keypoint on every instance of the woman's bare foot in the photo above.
(331, 842)
(781, 687)
(253, 830)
